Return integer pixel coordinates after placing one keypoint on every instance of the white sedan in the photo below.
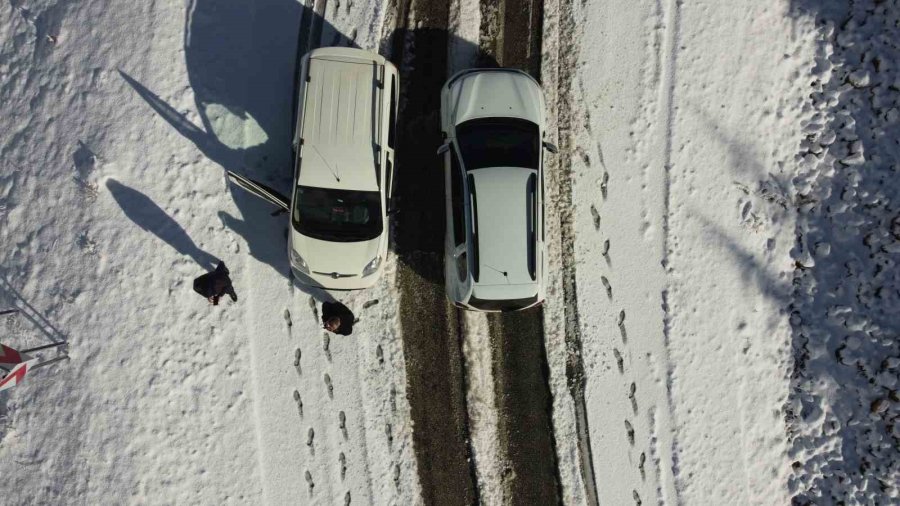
(493, 124)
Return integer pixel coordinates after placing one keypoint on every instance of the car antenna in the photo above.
(333, 172)
(505, 274)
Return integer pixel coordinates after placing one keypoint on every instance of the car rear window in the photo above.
(502, 305)
(498, 142)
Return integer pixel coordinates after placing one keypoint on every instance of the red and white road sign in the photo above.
(13, 366)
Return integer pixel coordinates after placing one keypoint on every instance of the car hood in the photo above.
(495, 94)
(326, 257)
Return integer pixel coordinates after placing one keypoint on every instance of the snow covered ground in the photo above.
(727, 246)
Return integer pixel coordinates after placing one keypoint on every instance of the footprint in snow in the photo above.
(622, 326)
(605, 251)
(397, 476)
(329, 386)
(299, 402)
(342, 460)
(342, 423)
(326, 346)
(390, 436)
(287, 318)
(297, 362)
(600, 155)
(347, 498)
(310, 436)
(379, 354)
(629, 431)
(619, 361)
(637, 498)
(312, 306)
(84, 159)
(641, 461)
(632, 398)
(607, 286)
(370, 303)
(596, 216)
(393, 399)
(604, 184)
(309, 481)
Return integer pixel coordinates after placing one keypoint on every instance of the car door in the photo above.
(262, 191)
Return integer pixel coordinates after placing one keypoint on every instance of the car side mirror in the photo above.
(443, 149)
(549, 146)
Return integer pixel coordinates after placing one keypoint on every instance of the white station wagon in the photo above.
(343, 169)
(493, 123)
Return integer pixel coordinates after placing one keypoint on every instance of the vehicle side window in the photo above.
(392, 127)
(457, 199)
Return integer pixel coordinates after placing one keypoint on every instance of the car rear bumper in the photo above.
(468, 307)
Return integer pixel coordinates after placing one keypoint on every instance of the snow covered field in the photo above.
(721, 324)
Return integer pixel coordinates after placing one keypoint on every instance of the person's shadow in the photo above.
(140, 209)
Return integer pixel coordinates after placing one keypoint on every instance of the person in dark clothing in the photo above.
(215, 284)
(337, 318)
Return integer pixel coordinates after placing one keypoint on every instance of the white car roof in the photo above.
(501, 201)
(340, 120)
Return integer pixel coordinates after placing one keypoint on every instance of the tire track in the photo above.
(521, 370)
(567, 60)
(670, 11)
(431, 339)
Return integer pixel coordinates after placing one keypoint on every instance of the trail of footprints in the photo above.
(341, 416)
(620, 322)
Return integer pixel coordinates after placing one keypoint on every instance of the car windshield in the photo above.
(337, 215)
(498, 142)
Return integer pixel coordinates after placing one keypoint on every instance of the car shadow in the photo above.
(242, 61)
